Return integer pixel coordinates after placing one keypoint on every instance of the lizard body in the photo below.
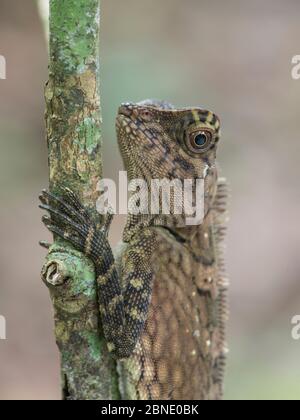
(163, 299)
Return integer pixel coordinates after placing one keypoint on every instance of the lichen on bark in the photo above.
(73, 121)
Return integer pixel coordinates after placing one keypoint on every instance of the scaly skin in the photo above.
(163, 301)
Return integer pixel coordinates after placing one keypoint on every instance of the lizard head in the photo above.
(158, 141)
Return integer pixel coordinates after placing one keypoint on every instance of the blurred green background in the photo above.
(233, 57)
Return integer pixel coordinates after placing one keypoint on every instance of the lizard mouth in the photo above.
(124, 117)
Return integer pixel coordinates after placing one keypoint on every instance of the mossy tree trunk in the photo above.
(73, 119)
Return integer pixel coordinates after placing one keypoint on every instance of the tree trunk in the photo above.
(73, 119)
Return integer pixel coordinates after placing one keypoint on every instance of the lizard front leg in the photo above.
(123, 304)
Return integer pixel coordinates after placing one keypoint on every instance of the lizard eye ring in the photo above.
(200, 140)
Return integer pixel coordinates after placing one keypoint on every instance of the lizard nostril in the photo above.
(126, 109)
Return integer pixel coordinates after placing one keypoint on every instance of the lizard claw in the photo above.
(43, 198)
(46, 220)
(107, 223)
(45, 244)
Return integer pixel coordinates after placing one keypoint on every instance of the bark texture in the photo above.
(73, 119)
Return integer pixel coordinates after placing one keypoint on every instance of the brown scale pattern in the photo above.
(180, 343)
(181, 353)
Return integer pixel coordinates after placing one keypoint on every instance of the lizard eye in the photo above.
(199, 141)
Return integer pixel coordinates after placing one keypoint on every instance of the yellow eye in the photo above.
(199, 141)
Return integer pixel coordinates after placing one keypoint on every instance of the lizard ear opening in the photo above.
(146, 115)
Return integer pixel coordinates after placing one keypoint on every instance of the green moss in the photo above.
(75, 25)
(94, 346)
(88, 131)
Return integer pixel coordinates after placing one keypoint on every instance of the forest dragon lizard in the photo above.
(163, 299)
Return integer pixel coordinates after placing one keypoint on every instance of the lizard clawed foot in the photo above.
(71, 221)
(68, 218)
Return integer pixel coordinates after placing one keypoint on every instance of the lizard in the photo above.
(163, 297)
